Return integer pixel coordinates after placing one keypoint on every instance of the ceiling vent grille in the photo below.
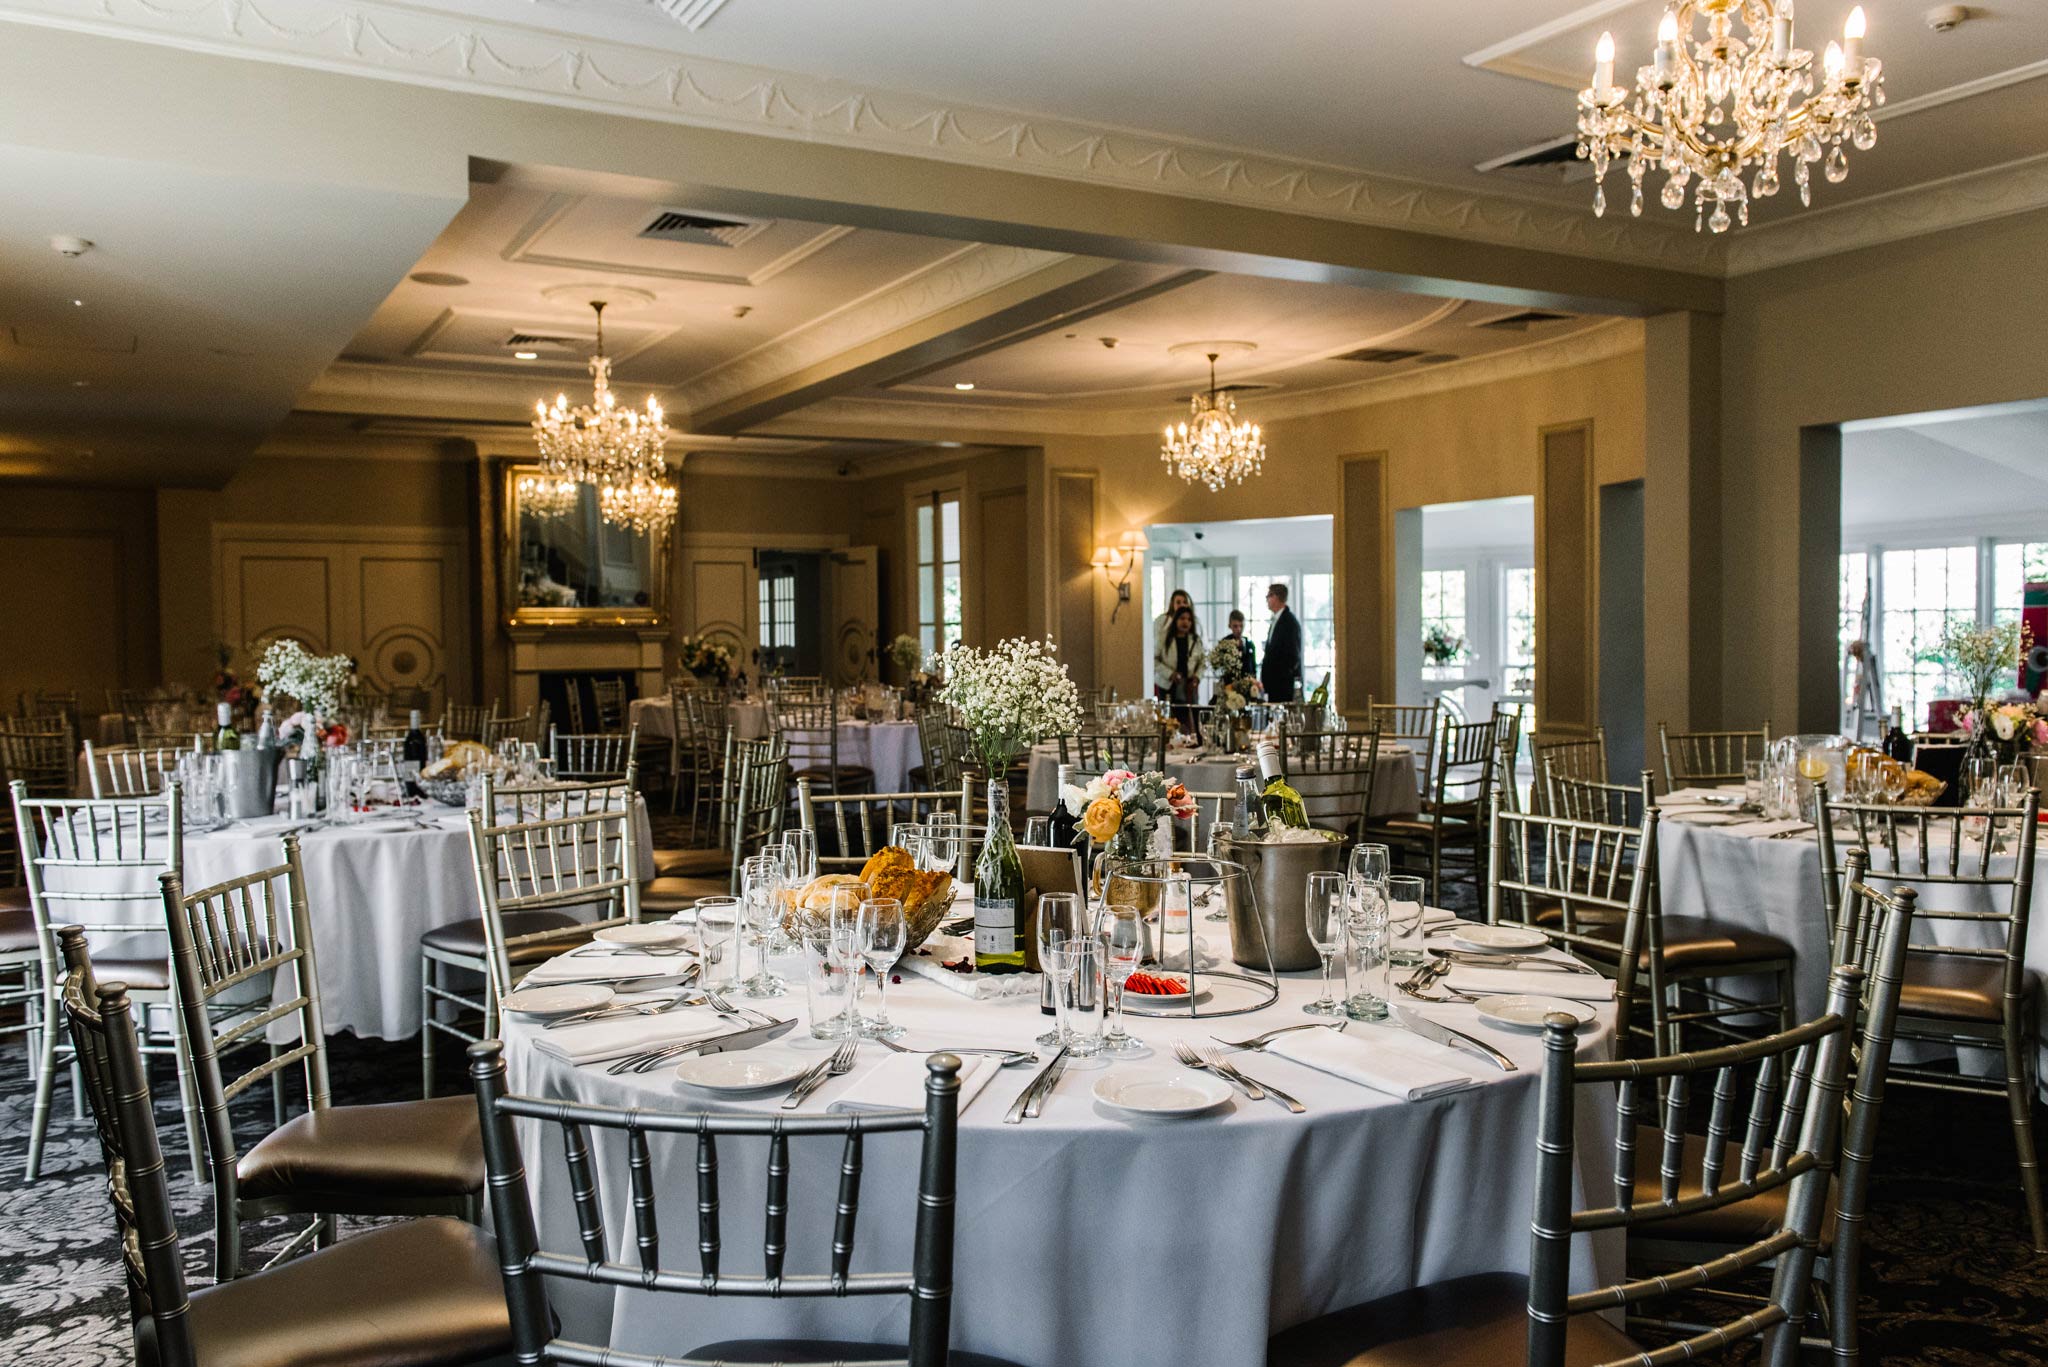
(1554, 162)
(701, 230)
(1378, 355)
(545, 341)
(1523, 321)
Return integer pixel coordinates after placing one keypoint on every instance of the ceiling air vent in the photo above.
(1555, 161)
(1523, 321)
(701, 230)
(544, 341)
(1378, 355)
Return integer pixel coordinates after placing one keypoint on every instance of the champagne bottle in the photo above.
(1897, 743)
(998, 891)
(226, 738)
(266, 732)
(1321, 697)
(414, 751)
(1251, 806)
(1066, 827)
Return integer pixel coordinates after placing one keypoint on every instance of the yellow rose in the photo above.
(1103, 819)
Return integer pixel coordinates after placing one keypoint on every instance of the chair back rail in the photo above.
(1709, 757)
(130, 771)
(1100, 751)
(1335, 772)
(528, 1267)
(592, 757)
(1414, 725)
(1586, 799)
(553, 864)
(466, 721)
(862, 823)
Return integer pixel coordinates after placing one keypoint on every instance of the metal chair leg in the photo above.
(39, 1117)
(430, 978)
(2019, 1099)
(188, 1101)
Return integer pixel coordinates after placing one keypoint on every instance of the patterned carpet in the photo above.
(1950, 1278)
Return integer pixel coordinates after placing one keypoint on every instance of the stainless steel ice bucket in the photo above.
(250, 780)
(1277, 872)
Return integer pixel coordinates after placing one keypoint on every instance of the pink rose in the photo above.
(1117, 778)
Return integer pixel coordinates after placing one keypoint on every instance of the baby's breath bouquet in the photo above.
(318, 683)
(1010, 698)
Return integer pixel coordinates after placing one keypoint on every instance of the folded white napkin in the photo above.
(1764, 830)
(897, 1084)
(599, 1041)
(977, 986)
(1432, 917)
(1541, 982)
(1389, 1061)
(608, 966)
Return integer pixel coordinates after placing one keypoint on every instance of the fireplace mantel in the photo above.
(627, 647)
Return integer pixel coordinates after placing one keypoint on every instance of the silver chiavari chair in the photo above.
(1707, 758)
(464, 721)
(1412, 724)
(608, 696)
(130, 771)
(1453, 815)
(588, 1132)
(1973, 868)
(593, 757)
(425, 1293)
(559, 866)
(1568, 755)
(404, 1158)
(1587, 799)
(530, 728)
(753, 797)
(1782, 1094)
(1095, 752)
(1335, 772)
(809, 726)
(96, 861)
(849, 827)
(41, 754)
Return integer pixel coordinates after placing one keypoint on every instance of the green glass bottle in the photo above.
(227, 738)
(998, 891)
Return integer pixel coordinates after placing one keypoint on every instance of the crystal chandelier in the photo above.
(1211, 446)
(640, 504)
(600, 442)
(545, 496)
(1717, 108)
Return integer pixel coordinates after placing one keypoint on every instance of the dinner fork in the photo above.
(1010, 1057)
(1193, 1059)
(840, 1062)
(1224, 1067)
(1261, 1041)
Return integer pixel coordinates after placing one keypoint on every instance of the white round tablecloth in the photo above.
(890, 748)
(372, 889)
(1773, 884)
(1082, 1238)
(1394, 792)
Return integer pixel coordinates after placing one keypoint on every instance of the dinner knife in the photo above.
(1015, 1114)
(1443, 1034)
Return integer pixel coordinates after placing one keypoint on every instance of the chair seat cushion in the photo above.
(1740, 1222)
(420, 1294)
(1949, 987)
(676, 894)
(17, 925)
(747, 1352)
(1477, 1321)
(327, 1159)
(684, 863)
(143, 973)
(467, 937)
(1420, 827)
(1692, 942)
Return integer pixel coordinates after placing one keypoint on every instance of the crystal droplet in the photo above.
(1719, 222)
(1865, 136)
(1635, 200)
(1674, 194)
(1699, 216)
(1806, 193)
(1599, 201)
(1837, 165)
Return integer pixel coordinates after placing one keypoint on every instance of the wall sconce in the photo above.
(1122, 556)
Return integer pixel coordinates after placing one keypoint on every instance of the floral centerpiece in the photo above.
(317, 683)
(1122, 809)
(1977, 656)
(705, 657)
(1441, 645)
(2011, 726)
(1009, 698)
(906, 654)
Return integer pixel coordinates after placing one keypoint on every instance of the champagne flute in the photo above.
(761, 911)
(882, 935)
(1122, 932)
(1059, 920)
(1324, 903)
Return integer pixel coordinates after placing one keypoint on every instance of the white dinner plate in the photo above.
(648, 933)
(1709, 817)
(741, 1070)
(1523, 1012)
(1498, 939)
(558, 999)
(1160, 1093)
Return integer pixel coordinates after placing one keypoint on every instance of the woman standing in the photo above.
(1178, 665)
(1163, 623)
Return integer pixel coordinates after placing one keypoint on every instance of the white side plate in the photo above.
(649, 933)
(558, 1000)
(1160, 1093)
(1499, 939)
(1519, 1012)
(741, 1070)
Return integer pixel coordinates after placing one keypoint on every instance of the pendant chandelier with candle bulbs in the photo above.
(547, 497)
(1212, 446)
(1717, 107)
(612, 447)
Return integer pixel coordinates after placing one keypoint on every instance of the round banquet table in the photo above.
(372, 889)
(1394, 792)
(1083, 1238)
(890, 748)
(1737, 874)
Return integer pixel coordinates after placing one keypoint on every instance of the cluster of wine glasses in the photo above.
(842, 931)
(1088, 958)
(1873, 777)
(1353, 918)
(1987, 783)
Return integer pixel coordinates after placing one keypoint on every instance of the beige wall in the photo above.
(1944, 321)
(1476, 442)
(79, 611)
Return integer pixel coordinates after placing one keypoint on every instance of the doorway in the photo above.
(1226, 567)
(1477, 585)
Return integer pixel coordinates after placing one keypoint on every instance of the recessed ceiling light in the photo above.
(437, 278)
(963, 386)
(526, 355)
(78, 303)
(80, 384)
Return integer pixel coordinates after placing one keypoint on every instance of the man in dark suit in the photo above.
(1280, 671)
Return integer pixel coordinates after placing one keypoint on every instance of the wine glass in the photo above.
(1059, 920)
(800, 856)
(834, 956)
(882, 934)
(761, 902)
(1324, 905)
(1370, 863)
(1122, 932)
(1980, 781)
(2013, 782)
(1892, 776)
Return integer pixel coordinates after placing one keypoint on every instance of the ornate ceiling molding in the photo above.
(2013, 188)
(961, 276)
(398, 42)
(1603, 341)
